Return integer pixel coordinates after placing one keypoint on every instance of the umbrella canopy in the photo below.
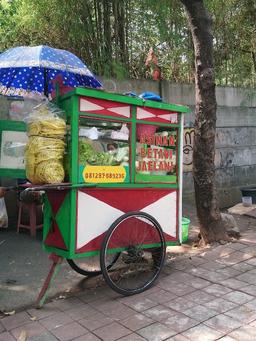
(31, 69)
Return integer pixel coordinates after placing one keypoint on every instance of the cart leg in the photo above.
(57, 260)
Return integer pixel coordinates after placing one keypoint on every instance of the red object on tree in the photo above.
(157, 76)
(152, 63)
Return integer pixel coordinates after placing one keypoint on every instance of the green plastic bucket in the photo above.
(185, 226)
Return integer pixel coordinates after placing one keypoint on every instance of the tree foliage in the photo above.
(113, 37)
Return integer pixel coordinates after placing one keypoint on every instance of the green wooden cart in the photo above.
(121, 204)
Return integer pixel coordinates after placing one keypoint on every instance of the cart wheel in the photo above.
(140, 240)
(89, 266)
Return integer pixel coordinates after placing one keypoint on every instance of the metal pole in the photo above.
(45, 84)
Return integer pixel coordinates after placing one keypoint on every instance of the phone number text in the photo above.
(104, 176)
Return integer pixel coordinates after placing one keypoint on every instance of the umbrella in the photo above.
(25, 70)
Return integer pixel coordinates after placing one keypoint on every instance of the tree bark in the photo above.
(107, 37)
(119, 31)
(208, 212)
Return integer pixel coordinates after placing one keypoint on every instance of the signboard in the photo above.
(156, 157)
(105, 174)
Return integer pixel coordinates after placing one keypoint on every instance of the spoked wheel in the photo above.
(139, 239)
(90, 266)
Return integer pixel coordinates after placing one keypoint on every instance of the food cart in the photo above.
(121, 203)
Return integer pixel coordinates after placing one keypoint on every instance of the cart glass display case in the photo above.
(13, 136)
(104, 149)
(13, 140)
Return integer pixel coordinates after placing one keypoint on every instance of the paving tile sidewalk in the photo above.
(202, 295)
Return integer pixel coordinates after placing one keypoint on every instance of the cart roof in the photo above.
(125, 99)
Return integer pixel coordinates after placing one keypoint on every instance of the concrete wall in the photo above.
(235, 137)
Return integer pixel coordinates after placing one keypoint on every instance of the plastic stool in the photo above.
(32, 209)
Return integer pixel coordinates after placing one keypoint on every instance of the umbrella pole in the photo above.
(45, 84)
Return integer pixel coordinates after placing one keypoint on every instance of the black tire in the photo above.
(81, 266)
(139, 239)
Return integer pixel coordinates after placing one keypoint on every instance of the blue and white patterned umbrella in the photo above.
(26, 70)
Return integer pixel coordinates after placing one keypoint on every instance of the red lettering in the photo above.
(155, 152)
(150, 165)
(165, 141)
(150, 153)
(160, 153)
(168, 166)
(158, 140)
(151, 139)
(166, 153)
(160, 166)
(171, 141)
(139, 166)
(144, 166)
(143, 152)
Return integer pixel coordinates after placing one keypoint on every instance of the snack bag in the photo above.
(46, 120)
(45, 149)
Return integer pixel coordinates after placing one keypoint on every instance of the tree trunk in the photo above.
(121, 32)
(208, 212)
(254, 60)
(107, 38)
(115, 5)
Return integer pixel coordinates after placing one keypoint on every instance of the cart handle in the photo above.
(58, 186)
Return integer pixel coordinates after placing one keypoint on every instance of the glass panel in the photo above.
(13, 144)
(103, 151)
(156, 154)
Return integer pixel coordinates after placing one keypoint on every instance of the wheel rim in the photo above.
(139, 239)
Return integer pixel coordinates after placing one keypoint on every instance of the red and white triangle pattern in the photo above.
(142, 114)
(99, 106)
(95, 216)
(89, 106)
(117, 109)
(157, 115)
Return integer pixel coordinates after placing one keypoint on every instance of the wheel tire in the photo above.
(141, 251)
(87, 272)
